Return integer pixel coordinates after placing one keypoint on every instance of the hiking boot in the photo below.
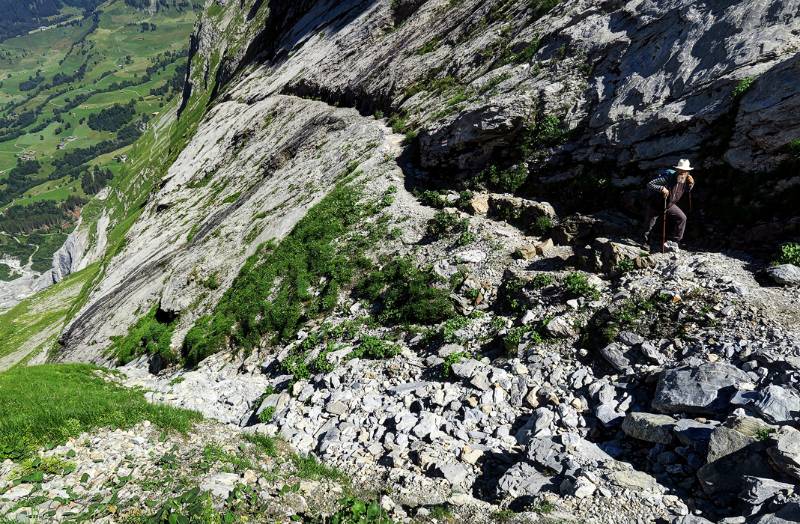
(671, 247)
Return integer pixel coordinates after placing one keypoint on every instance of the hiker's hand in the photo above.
(690, 181)
(665, 192)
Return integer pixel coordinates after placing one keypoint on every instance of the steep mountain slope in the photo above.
(521, 85)
(401, 236)
(74, 98)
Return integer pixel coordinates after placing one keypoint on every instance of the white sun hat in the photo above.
(683, 165)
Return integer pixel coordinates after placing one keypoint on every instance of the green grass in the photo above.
(34, 323)
(317, 249)
(45, 405)
(308, 467)
(150, 335)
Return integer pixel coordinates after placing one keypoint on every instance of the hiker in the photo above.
(667, 189)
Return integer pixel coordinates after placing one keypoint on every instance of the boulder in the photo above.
(479, 204)
(788, 514)
(775, 404)
(522, 479)
(520, 212)
(618, 356)
(785, 453)
(759, 490)
(785, 274)
(735, 450)
(705, 389)
(649, 427)
(579, 228)
(610, 257)
(694, 434)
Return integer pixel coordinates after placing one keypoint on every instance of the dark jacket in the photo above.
(669, 179)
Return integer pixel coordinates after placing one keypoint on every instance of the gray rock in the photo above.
(466, 368)
(735, 450)
(788, 514)
(608, 415)
(220, 485)
(694, 434)
(649, 427)
(725, 441)
(785, 453)
(704, 389)
(522, 480)
(759, 490)
(776, 404)
(546, 453)
(562, 327)
(630, 338)
(480, 381)
(785, 274)
(336, 407)
(615, 355)
(454, 473)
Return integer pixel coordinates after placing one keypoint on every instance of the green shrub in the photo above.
(212, 282)
(432, 199)
(793, 147)
(507, 180)
(273, 292)
(444, 223)
(406, 294)
(449, 360)
(789, 254)
(266, 415)
(542, 280)
(577, 285)
(743, 86)
(515, 335)
(625, 265)
(542, 226)
(375, 349)
(148, 336)
(353, 510)
(450, 327)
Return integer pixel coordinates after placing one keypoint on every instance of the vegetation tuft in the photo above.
(150, 335)
(577, 285)
(789, 254)
(405, 293)
(279, 286)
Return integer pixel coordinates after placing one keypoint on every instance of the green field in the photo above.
(53, 82)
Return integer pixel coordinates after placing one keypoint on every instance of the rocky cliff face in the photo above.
(642, 379)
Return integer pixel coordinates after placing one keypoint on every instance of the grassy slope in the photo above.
(63, 50)
(39, 407)
(34, 324)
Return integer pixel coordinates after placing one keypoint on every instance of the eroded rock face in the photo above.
(233, 187)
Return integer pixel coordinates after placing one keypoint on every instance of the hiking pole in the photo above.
(664, 227)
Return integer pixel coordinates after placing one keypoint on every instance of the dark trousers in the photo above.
(676, 223)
